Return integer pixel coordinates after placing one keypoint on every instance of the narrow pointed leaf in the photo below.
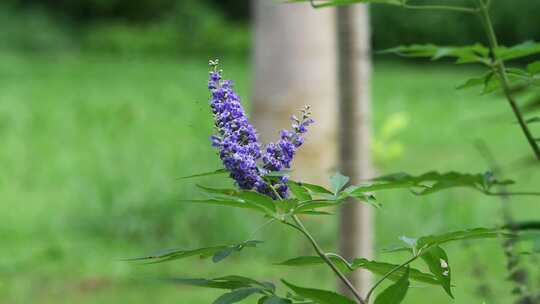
(338, 181)
(175, 254)
(437, 261)
(395, 293)
(431, 182)
(273, 300)
(236, 295)
(534, 67)
(299, 191)
(379, 268)
(216, 172)
(261, 200)
(226, 203)
(518, 51)
(318, 295)
(316, 189)
(469, 234)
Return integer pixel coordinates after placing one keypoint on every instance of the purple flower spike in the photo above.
(278, 156)
(238, 144)
(236, 138)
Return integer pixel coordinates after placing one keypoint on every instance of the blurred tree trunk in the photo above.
(294, 65)
(354, 68)
(295, 59)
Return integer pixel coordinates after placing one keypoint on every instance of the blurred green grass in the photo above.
(92, 146)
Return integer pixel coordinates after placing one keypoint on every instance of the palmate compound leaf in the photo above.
(476, 53)
(396, 292)
(378, 268)
(318, 295)
(430, 182)
(331, 3)
(428, 248)
(217, 253)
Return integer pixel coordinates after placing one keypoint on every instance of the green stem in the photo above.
(327, 260)
(335, 255)
(503, 76)
(300, 227)
(370, 292)
(270, 221)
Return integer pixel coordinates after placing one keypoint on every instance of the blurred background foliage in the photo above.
(209, 26)
(94, 139)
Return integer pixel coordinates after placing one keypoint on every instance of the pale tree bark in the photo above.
(295, 60)
(354, 68)
(294, 65)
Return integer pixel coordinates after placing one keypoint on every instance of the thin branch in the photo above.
(270, 221)
(327, 260)
(335, 255)
(505, 83)
(300, 227)
(370, 292)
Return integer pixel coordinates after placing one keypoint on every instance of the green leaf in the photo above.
(535, 119)
(261, 200)
(465, 54)
(379, 268)
(224, 253)
(228, 203)
(318, 295)
(273, 300)
(218, 253)
(221, 191)
(469, 234)
(338, 182)
(518, 51)
(299, 191)
(226, 282)
(430, 182)
(313, 212)
(395, 293)
(437, 261)
(331, 3)
(248, 282)
(216, 172)
(236, 295)
(313, 261)
(316, 189)
(477, 81)
(382, 268)
(316, 204)
(214, 283)
(534, 67)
